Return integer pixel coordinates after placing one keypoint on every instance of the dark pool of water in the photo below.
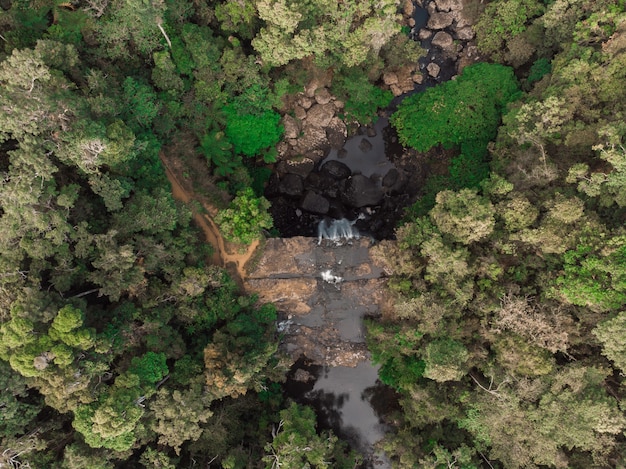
(350, 401)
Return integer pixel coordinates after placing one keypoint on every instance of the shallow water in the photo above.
(351, 402)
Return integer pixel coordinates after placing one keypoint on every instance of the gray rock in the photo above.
(320, 115)
(313, 138)
(292, 127)
(301, 166)
(448, 5)
(336, 132)
(336, 169)
(315, 203)
(365, 145)
(291, 184)
(424, 34)
(444, 40)
(391, 177)
(361, 191)
(300, 112)
(440, 20)
(465, 34)
(433, 69)
(322, 96)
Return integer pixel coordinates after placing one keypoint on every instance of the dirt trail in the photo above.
(223, 255)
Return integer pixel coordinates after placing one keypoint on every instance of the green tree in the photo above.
(612, 335)
(465, 215)
(245, 218)
(296, 443)
(463, 110)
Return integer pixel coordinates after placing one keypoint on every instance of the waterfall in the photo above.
(337, 230)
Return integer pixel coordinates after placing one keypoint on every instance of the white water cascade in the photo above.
(338, 230)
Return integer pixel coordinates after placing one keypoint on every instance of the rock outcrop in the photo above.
(322, 292)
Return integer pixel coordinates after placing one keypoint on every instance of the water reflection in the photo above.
(351, 402)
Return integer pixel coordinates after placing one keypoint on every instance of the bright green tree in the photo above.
(245, 218)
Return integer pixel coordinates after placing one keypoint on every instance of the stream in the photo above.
(350, 400)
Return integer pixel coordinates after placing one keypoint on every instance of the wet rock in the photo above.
(465, 34)
(391, 178)
(272, 188)
(336, 132)
(287, 294)
(320, 115)
(443, 40)
(292, 185)
(361, 191)
(292, 126)
(365, 145)
(433, 69)
(322, 96)
(336, 169)
(449, 5)
(371, 132)
(440, 20)
(315, 203)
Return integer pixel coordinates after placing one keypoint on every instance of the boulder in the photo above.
(315, 203)
(408, 8)
(443, 40)
(449, 5)
(305, 102)
(390, 78)
(299, 112)
(336, 132)
(440, 20)
(336, 169)
(322, 96)
(291, 184)
(313, 138)
(292, 127)
(418, 78)
(465, 34)
(391, 178)
(301, 166)
(360, 191)
(320, 115)
(433, 69)
(424, 34)
(365, 145)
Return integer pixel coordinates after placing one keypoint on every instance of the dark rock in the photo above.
(361, 191)
(365, 145)
(301, 166)
(273, 186)
(342, 153)
(371, 132)
(291, 184)
(336, 133)
(391, 178)
(315, 203)
(336, 169)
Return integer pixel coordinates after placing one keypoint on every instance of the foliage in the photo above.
(463, 110)
(245, 218)
(362, 98)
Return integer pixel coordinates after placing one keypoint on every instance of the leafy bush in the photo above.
(244, 219)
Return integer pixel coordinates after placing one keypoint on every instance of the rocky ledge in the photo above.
(322, 291)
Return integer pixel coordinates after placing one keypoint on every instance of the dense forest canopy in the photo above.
(122, 346)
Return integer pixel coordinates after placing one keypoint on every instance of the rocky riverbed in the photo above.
(316, 176)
